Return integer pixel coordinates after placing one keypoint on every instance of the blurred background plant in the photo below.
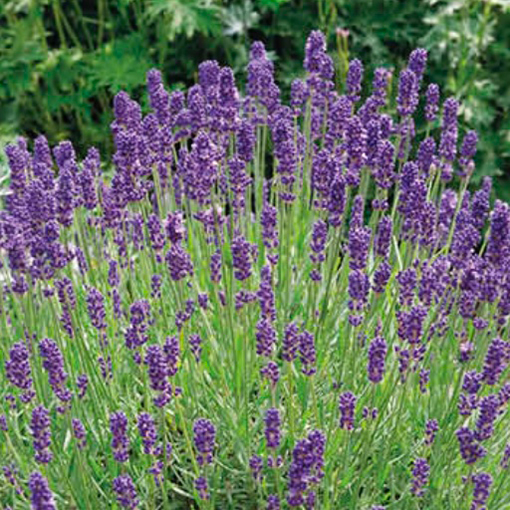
(61, 61)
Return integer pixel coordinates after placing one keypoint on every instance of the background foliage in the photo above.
(61, 61)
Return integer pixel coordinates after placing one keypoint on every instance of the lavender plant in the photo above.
(265, 306)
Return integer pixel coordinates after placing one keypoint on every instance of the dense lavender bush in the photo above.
(266, 306)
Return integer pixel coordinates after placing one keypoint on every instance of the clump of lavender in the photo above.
(283, 234)
(306, 469)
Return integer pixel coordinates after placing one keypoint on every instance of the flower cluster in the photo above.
(307, 294)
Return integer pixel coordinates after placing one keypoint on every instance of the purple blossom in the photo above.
(431, 107)
(157, 364)
(482, 483)
(489, 410)
(241, 255)
(505, 460)
(195, 343)
(272, 428)
(204, 434)
(79, 433)
(470, 450)
(265, 294)
(178, 262)
(381, 277)
(408, 87)
(202, 488)
(41, 497)
(216, 267)
(431, 429)
(273, 502)
(120, 440)
(306, 469)
(316, 59)
(410, 324)
(96, 310)
(256, 464)
(40, 428)
(266, 337)
(124, 488)
(53, 363)
(18, 371)
(307, 353)
(376, 358)
(347, 403)
(382, 238)
(418, 62)
(147, 431)
(421, 472)
(271, 372)
(495, 361)
(353, 79)
(290, 342)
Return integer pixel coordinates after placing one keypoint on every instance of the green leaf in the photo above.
(121, 65)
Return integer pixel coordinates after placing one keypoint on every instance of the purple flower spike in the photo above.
(306, 469)
(266, 337)
(95, 307)
(271, 372)
(376, 359)
(178, 262)
(120, 440)
(307, 353)
(432, 105)
(408, 87)
(241, 255)
(495, 361)
(158, 370)
(347, 403)
(79, 433)
(41, 497)
(290, 342)
(53, 363)
(431, 429)
(195, 343)
(505, 460)
(204, 434)
(202, 488)
(353, 80)
(18, 371)
(273, 502)
(40, 427)
(147, 431)
(418, 62)
(256, 465)
(482, 483)
(272, 430)
(470, 450)
(124, 487)
(489, 411)
(421, 473)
